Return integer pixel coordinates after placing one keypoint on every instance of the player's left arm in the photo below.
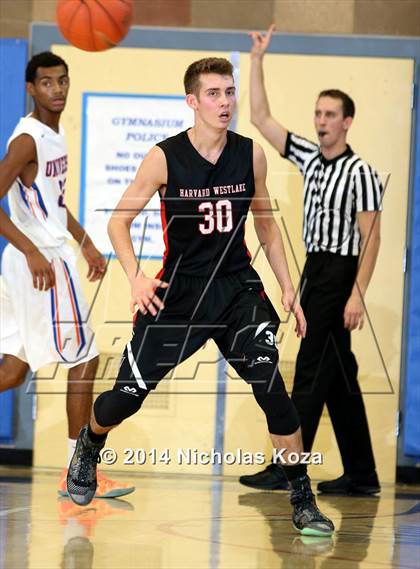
(94, 259)
(370, 231)
(269, 236)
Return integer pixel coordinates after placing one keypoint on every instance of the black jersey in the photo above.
(205, 206)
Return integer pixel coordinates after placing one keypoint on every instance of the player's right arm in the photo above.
(150, 177)
(21, 152)
(261, 117)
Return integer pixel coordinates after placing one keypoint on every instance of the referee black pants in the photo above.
(326, 369)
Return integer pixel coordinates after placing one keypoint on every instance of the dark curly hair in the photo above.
(44, 59)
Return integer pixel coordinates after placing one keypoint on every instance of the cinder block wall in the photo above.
(380, 17)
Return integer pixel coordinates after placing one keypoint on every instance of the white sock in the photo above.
(71, 446)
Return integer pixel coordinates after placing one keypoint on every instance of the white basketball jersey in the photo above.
(39, 211)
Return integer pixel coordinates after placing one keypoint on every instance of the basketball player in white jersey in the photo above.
(43, 312)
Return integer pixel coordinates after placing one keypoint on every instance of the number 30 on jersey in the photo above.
(217, 216)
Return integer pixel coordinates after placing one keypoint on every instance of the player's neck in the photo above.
(207, 141)
(47, 117)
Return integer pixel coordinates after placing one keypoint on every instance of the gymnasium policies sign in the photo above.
(117, 132)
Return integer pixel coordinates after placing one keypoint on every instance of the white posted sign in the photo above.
(117, 132)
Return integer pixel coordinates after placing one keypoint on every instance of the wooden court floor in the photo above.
(180, 522)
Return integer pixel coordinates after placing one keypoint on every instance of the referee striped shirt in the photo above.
(334, 192)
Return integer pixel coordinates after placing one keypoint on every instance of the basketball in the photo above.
(94, 25)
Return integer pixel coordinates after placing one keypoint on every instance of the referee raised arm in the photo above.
(341, 231)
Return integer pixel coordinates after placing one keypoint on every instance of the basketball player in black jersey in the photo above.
(207, 178)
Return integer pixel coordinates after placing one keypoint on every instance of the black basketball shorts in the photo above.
(233, 310)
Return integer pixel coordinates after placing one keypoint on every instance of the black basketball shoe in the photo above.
(81, 476)
(351, 485)
(271, 478)
(307, 519)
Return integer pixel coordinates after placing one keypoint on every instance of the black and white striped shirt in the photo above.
(334, 192)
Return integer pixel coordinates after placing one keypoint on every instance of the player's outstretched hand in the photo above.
(143, 294)
(261, 42)
(353, 313)
(95, 260)
(291, 303)
(41, 270)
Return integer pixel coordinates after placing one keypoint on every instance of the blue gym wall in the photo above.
(13, 58)
(411, 403)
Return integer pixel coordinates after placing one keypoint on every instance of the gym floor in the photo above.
(198, 522)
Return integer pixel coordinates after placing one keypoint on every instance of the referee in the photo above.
(341, 232)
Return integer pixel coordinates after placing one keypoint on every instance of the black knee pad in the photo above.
(280, 412)
(127, 395)
(112, 407)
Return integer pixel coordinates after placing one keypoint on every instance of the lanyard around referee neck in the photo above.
(320, 175)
